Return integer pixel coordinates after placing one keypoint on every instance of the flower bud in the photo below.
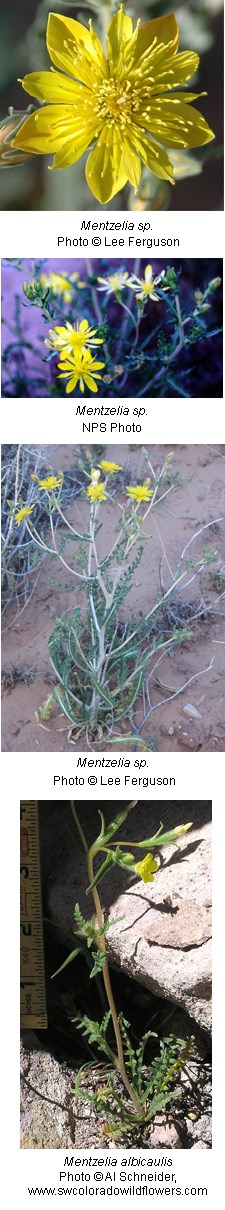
(182, 828)
(95, 476)
(215, 283)
(198, 296)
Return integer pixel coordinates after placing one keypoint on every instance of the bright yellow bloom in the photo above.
(110, 468)
(68, 339)
(23, 512)
(59, 284)
(96, 491)
(48, 485)
(147, 868)
(139, 493)
(83, 368)
(144, 287)
(115, 282)
(116, 99)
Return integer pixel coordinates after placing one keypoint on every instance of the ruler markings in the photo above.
(32, 973)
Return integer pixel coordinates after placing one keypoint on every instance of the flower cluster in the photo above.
(96, 490)
(125, 104)
(73, 345)
(62, 287)
(144, 287)
(50, 484)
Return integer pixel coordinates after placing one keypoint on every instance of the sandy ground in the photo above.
(198, 500)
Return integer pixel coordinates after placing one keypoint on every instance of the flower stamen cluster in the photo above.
(70, 339)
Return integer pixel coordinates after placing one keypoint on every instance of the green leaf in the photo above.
(67, 961)
(99, 960)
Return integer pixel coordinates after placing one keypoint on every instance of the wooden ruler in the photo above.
(32, 970)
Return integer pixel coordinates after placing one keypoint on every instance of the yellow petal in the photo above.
(161, 30)
(71, 151)
(74, 48)
(54, 128)
(119, 32)
(131, 163)
(89, 382)
(53, 87)
(154, 157)
(174, 123)
(174, 71)
(47, 129)
(70, 385)
(104, 168)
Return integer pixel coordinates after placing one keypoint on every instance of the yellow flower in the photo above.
(145, 286)
(96, 491)
(147, 868)
(59, 284)
(83, 368)
(139, 493)
(65, 340)
(110, 468)
(23, 512)
(114, 283)
(48, 485)
(116, 99)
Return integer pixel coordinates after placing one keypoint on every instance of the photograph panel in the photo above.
(124, 1054)
(113, 582)
(122, 105)
(110, 328)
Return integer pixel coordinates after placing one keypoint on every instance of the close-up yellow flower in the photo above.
(121, 101)
(23, 512)
(83, 368)
(110, 468)
(48, 485)
(147, 868)
(139, 493)
(59, 285)
(96, 491)
(68, 339)
(144, 287)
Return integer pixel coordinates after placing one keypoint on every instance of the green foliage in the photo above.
(151, 1081)
(146, 1086)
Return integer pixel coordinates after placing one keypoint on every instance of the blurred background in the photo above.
(30, 186)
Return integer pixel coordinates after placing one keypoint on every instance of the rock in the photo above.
(46, 1104)
(191, 711)
(181, 975)
(199, 1146)
(151, 943)
(164, 1134)
(200, 1131)
(183, 927)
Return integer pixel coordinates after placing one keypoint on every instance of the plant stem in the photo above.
(105, 972)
